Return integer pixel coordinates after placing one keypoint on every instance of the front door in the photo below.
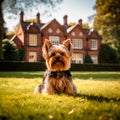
(32, 56)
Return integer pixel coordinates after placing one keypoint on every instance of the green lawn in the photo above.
(98, 97)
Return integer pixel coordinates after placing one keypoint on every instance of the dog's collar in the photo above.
(59, 74)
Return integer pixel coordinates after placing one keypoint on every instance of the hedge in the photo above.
(40, 66)
(95, 67)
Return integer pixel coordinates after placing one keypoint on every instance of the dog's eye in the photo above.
(62, 53)
(53, 54)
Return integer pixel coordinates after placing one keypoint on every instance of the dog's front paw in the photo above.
(38, 89)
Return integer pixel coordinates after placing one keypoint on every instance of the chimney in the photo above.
(65, 20)
(21, 16)
(80, 22)
(38, 17)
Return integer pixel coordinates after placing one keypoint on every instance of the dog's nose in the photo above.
(57, 56)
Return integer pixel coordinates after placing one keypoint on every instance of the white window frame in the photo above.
(77, 43)
(94, 44)
(94, 59)
(76, 59)
(55, 40)
(33, 39)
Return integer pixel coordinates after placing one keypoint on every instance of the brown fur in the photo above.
(57, 78)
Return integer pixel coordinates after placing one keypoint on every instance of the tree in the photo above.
(108, 54)
(10, 50)
(88, 59)
(2, 31)
(14, 6)
(84, 25)
(107, 21)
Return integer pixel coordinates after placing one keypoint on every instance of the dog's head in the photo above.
(58, 57)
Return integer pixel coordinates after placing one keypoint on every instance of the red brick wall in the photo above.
(54, 26)
(33, 49)
(44, 34)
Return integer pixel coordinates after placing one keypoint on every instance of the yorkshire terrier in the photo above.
(57, 78)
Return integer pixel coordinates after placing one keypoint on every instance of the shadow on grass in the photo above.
(76, 75)
(21, 74)
(98, 98)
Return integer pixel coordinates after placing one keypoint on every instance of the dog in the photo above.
(57, 78)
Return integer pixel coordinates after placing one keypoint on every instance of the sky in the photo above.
(74, 9)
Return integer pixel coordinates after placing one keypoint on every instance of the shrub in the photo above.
(10, 51)
(88, 59)
(108, 54)
(21, 53)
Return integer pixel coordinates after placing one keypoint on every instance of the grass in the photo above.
(98, 97)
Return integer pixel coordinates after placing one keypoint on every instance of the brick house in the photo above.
(32, 35)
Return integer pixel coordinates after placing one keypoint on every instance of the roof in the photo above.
(45, 25)
(86, 30)
(17, 41)
(93, 31)
(48, 23)
(71, 28)
(65, 27)
(25, 25)
(77, 25)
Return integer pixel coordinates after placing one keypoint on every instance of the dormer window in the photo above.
(94, 44)
(32, 39)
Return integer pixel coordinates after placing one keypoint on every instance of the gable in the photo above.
(17, 41)
(53, 28)
(94, 34)
(20, 33)
(76, 31)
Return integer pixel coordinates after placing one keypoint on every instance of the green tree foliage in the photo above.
(2, 30)
(88, 59)
(72, 23)
(14, 6)
(10, 50)
(108, 54)
(84, 25)
(107, 21)
(21, 53)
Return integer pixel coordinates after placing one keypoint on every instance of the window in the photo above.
(32, 40)
(57, 31)
(77, 43)
(77, 58)
(73, 33)
(32, 56)
(94, 59)
(81, 34)
(50, 30)
(55, 39)
(93, 44)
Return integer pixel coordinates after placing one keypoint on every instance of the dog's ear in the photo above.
(47, 44)
(67, 43)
